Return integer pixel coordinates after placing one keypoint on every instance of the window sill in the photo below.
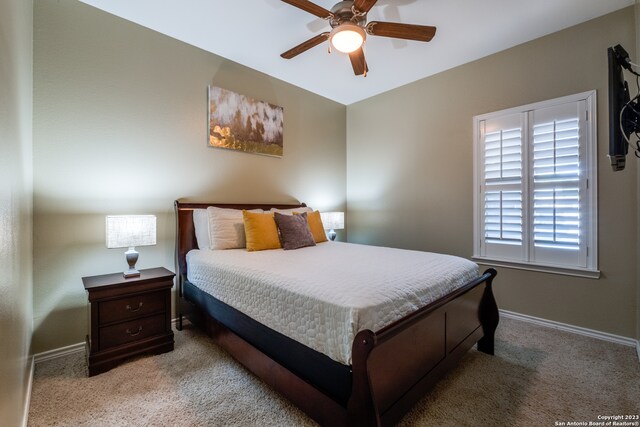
(577, 272)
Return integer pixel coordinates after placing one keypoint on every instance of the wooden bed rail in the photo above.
(394, 367)
(390, 330)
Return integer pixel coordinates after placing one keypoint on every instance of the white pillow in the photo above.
(201, 225)
(291, 211)
(226, 228)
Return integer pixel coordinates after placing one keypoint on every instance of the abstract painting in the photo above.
(237, 122)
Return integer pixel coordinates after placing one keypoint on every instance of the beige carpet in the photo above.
(537, 377)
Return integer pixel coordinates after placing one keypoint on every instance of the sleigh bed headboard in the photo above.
(185, 231)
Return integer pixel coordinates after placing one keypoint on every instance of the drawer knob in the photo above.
(133, 334)
(128, 307)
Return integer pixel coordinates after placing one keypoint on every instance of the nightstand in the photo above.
(128, 317)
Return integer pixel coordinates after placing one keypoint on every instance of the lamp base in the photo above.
(332, 235)
(132, 258)
(131, 273)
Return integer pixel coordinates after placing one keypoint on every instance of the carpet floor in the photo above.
(538, 377)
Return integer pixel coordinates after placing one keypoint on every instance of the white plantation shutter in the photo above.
(503, 152)
(556, 218)
(534, 166)
(503, 217)
(557, 148)
(501, 140)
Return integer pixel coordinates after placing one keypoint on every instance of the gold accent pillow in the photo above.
(261, 231)
(315, 225)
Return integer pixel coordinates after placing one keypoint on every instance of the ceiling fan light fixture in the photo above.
(347, 37)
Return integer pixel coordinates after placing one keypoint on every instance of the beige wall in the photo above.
(16, 191)
(410, 169)
(120, 127)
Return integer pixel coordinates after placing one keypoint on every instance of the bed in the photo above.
(381, 371)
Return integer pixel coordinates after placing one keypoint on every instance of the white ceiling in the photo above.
(255, 33)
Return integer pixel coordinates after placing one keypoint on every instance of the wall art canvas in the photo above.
(237, 122)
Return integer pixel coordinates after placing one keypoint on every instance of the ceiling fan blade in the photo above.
(423, 33)
(303, 47)
(358, 62)
(364, 6)
(312, 8)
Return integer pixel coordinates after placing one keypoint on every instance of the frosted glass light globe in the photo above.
(347, 37)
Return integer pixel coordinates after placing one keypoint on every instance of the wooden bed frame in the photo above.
(391, 368)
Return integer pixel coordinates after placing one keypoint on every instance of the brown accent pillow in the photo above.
(294, 231)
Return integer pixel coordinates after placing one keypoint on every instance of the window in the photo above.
(535, 180)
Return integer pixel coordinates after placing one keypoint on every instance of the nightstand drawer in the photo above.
(131, 307)
(134, 330)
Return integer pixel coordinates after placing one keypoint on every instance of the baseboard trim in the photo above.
(59, 352)
(638, 349)
(70, 349)
(27, 398)
(605, 336)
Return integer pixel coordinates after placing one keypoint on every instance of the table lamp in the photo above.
(129, 231)
(332, 221)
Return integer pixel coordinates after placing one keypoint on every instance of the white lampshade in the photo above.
(332, 220)
(347, 37)
(125, 231)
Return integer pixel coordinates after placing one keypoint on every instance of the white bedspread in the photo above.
(322, 296)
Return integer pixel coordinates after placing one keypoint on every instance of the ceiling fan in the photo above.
(348, 20)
